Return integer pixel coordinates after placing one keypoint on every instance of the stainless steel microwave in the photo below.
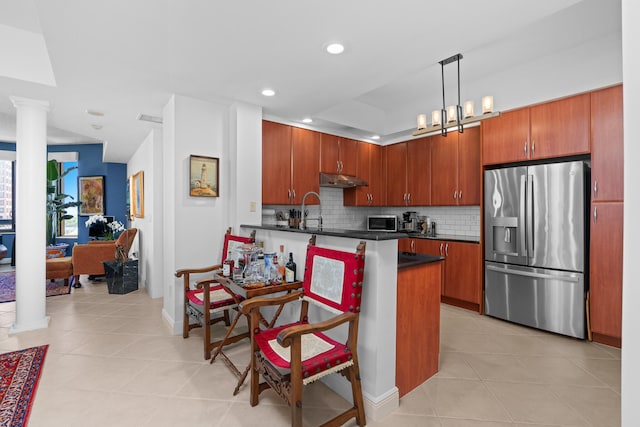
(382, 223)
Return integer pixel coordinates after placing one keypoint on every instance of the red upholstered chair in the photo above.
(206, 293)
(293, 355)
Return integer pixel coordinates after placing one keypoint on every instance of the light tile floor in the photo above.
(113, 362)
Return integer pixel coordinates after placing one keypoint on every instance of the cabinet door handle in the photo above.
(455, 195)
(533, 148)
(370, 199)
(293, 193)
(446, 250)
(441, 245)
(524, 150)
(413, 246)
(460, 195)
(289, 194)
(408, 199)
(595, 214)
(595, 187)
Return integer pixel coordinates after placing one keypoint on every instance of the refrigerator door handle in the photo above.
(530, 201)
(532, 274)
(522, 214)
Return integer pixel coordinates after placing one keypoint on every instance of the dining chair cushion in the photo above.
(321, 355)
(218, 297)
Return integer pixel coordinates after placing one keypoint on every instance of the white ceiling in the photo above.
(126, 57)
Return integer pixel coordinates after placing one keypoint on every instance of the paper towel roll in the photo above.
(268, 212)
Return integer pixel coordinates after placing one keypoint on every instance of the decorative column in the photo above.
(31, 156)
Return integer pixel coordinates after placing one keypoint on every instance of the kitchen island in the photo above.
(377, 326)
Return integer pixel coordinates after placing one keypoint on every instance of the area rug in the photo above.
(8, 286)
(19, 375)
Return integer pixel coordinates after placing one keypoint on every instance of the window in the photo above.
(6, 195)
(69, 185)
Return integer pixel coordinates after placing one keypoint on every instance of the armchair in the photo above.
(208, 293)
(290, 356)
(88, 258)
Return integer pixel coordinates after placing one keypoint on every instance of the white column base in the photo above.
(376, 411)
(24, 327)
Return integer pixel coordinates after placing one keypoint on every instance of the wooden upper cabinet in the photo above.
(369, 168)
(560, 128)
(396, 173)
(506, 138)
(605, 281)
(329, 153)
(607, 145)
(349, 156)
(418, 172)
(338, 155)
(455, 169)
(469, 187)
(305, 155)
(444, 172)
(276, 163)
(376, 180)
(553, 129)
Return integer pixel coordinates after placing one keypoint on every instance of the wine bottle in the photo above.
(227, 266)
(290, 269)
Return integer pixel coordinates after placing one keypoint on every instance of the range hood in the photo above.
(341, 181)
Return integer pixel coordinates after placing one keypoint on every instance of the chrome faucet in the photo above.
(303, 224)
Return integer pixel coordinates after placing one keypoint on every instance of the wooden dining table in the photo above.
(239, 292)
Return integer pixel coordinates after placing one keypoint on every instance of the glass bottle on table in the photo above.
(281, 262)
(227, 265)
(290, 269)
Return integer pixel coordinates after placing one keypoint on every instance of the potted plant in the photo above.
(57, 205)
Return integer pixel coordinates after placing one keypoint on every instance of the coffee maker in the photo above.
(410, 221)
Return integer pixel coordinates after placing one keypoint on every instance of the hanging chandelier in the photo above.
(454, 115)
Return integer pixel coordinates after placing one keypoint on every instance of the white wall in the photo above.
(631, 290)
(194, 227)
(148, 159)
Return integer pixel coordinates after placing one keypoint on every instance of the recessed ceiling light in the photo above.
(96, 126)
(307, 120)
(375, 137)
(335, 48)
(268, 92)
(95, 113)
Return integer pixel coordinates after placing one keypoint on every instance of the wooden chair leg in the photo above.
(207, 335)
(356, 390)
(296, 404)
(227, 320)
(185, 322)
(255, 381)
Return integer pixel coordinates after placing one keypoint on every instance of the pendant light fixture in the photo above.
(454, 115)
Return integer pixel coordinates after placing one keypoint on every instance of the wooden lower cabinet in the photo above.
(605, 294)
(462, 283)
(417, 325)
(463, 269)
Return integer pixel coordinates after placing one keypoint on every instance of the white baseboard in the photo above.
(375, 408)
(175, 327)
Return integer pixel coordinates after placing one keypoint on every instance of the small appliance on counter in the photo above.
(410, 221)
(382, 223)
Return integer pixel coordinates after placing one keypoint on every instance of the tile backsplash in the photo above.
(454, 220)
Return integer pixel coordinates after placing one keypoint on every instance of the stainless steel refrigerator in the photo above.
(535, 245)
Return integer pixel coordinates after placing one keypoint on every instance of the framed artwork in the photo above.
(203, 176)
(91, 189)
(137, 195)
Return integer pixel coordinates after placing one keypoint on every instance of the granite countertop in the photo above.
(336, 232)
(409, 259)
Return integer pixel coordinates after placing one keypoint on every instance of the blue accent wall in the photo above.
(115, 183)
(89, 164)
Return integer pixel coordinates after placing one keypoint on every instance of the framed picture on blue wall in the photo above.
(203, 176)
(91, 191)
